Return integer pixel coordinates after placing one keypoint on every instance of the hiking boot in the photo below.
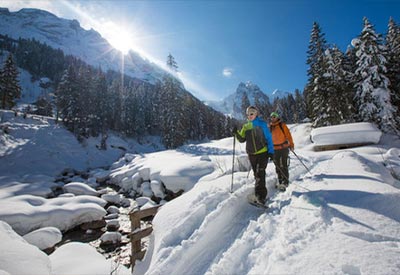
(259, 201)
(282, 187)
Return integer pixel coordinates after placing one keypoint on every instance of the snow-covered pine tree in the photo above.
(101, 103)
(9, 86)
(315, 61)
(373, 95)
(66, 98)
(172, 113)
(335, 102)
(300, 107)
(323, 93)
(393, 63)
(171, 63)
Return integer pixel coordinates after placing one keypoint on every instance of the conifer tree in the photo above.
(315, 72)
(373, 95)
(67, 95)
(334, 102)
(172, 113)
(101, 103)
(300, 113)
(393, 63)
(10, 90)
(171, 63)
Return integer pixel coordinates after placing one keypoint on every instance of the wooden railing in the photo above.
(138, 234)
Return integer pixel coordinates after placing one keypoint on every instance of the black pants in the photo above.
(281, 160)
(259, 163)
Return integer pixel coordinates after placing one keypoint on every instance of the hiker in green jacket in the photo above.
(259, 148)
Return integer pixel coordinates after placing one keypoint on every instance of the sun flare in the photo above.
(120, 38)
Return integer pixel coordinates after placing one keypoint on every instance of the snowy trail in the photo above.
(260, 240)
(221, 225)
(222, 229)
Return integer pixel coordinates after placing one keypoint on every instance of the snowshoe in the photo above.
(252, 199)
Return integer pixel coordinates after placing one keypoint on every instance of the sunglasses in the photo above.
(251, 114)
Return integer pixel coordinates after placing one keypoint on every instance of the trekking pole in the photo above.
(283, 174)
(301, 162)
(233, 163)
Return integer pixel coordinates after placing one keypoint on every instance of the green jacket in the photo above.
(257, 136)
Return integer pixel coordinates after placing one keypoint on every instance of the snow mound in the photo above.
(78, 258)
(21, 252)
(44, 237)
(352, 133)
(31, 212)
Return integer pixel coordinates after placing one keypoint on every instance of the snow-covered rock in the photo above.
(112, 209)
(30, 212)
(351, 133)
(80, 188)
(79, 258)
(111, 237)
(146, 189)
(157, 188)
(43, 238)
(14, 249)
(112, 198)
(112, 225)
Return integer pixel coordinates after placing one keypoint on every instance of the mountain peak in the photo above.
(231, 105)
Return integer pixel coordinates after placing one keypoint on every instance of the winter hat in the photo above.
(274, 114)
(251, 110)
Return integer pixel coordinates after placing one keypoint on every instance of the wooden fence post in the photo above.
(137, 233)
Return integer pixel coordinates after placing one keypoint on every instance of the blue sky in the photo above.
(218, 44)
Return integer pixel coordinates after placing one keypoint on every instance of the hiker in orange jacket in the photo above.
(282, 140)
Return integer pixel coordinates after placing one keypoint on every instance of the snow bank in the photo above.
(27, 213)
(176, 170)
(14, 249)
(352, 133)
(83, 259)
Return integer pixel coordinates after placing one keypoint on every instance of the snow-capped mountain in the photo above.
(231, 105)
(72, 39)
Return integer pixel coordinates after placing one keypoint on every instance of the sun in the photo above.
(120, 39)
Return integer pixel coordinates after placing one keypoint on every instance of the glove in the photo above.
(234, 130)
(270, 156)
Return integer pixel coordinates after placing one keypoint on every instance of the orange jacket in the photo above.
(281, 136)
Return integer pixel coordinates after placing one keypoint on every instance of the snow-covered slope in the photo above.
(72, 39)
(37, 145)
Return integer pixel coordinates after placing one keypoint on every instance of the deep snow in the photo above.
(342, 218)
